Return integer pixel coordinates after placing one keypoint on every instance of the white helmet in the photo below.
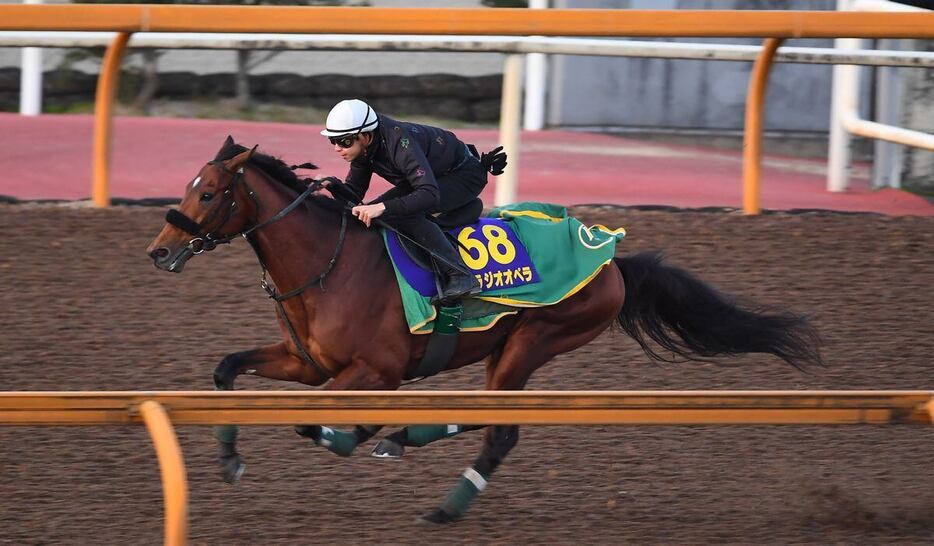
(350, 117)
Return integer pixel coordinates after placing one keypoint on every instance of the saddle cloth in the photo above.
(524, 255)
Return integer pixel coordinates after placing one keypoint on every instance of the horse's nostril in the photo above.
(160, 253)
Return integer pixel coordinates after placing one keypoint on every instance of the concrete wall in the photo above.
(918, 114)
(680, 94)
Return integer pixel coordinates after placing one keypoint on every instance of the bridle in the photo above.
(206, 239)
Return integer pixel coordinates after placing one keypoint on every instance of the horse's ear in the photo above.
(228, 143)
(240, 159)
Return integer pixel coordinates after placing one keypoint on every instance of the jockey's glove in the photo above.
(494, 161)
(339, 190)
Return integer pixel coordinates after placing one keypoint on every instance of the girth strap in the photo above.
(442, 344)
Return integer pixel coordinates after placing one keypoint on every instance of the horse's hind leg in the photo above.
(522, 356)
(273, 362)
(541, 335)
(510, 372)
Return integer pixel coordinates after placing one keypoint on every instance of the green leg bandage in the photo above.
(337, 441)
(460, 497)
(422, 435)
(226, 433)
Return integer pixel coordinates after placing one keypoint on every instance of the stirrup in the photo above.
(455, 299)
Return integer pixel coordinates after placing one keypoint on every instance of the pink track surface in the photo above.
(49, 157)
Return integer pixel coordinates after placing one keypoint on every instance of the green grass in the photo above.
(227, 109)
(80, 107)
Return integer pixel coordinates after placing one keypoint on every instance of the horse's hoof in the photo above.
(232, 467)
(437, 517)
(308, 431)
(387, 449)
(336, 441)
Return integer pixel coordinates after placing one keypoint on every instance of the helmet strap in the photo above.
(365, 119)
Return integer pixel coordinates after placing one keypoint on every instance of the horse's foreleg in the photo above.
(357, 376)
(539, 335)
(273, 362)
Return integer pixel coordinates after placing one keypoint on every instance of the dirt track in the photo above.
(83, 308)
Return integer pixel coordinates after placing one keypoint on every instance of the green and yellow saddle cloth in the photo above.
(523, 255)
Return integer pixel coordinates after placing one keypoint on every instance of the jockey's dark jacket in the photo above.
(409, 156)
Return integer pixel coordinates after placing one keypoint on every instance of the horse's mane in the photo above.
(279, 171)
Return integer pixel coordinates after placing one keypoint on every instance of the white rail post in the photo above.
(509, 129)
(844, 96)
(536, 71)
(30, 77)
(838, 149)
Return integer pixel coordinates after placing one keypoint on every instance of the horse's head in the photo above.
(216, 206)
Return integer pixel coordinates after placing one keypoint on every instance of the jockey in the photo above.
(432, 170)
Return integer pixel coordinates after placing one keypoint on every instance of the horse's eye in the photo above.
(205, 197)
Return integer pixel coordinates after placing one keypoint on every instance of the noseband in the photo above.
(206, 240)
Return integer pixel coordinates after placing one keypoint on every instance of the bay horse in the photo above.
(343, 326)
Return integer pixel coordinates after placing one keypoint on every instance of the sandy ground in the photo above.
(83, 308)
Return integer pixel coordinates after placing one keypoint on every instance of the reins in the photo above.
(205, 241)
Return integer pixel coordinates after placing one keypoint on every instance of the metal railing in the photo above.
(845, 119)
(470, 44)
(774, 25)
(510, 115)
(159, 410)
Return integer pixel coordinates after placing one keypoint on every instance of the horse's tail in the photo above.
(691, 319)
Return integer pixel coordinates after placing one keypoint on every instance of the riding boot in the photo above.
(455, 282)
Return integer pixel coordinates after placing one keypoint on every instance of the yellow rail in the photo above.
(174, 478)
(755, 125)
(154, 409)
(127, 19)
(508, 22)
(103, 119)
(472, 407)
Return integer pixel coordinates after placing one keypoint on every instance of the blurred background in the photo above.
(669, 100)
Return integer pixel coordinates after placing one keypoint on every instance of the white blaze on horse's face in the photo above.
(168, 249)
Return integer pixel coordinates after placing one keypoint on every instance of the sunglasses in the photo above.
(345, 141)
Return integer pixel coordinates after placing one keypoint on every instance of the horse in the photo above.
(343, 326)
